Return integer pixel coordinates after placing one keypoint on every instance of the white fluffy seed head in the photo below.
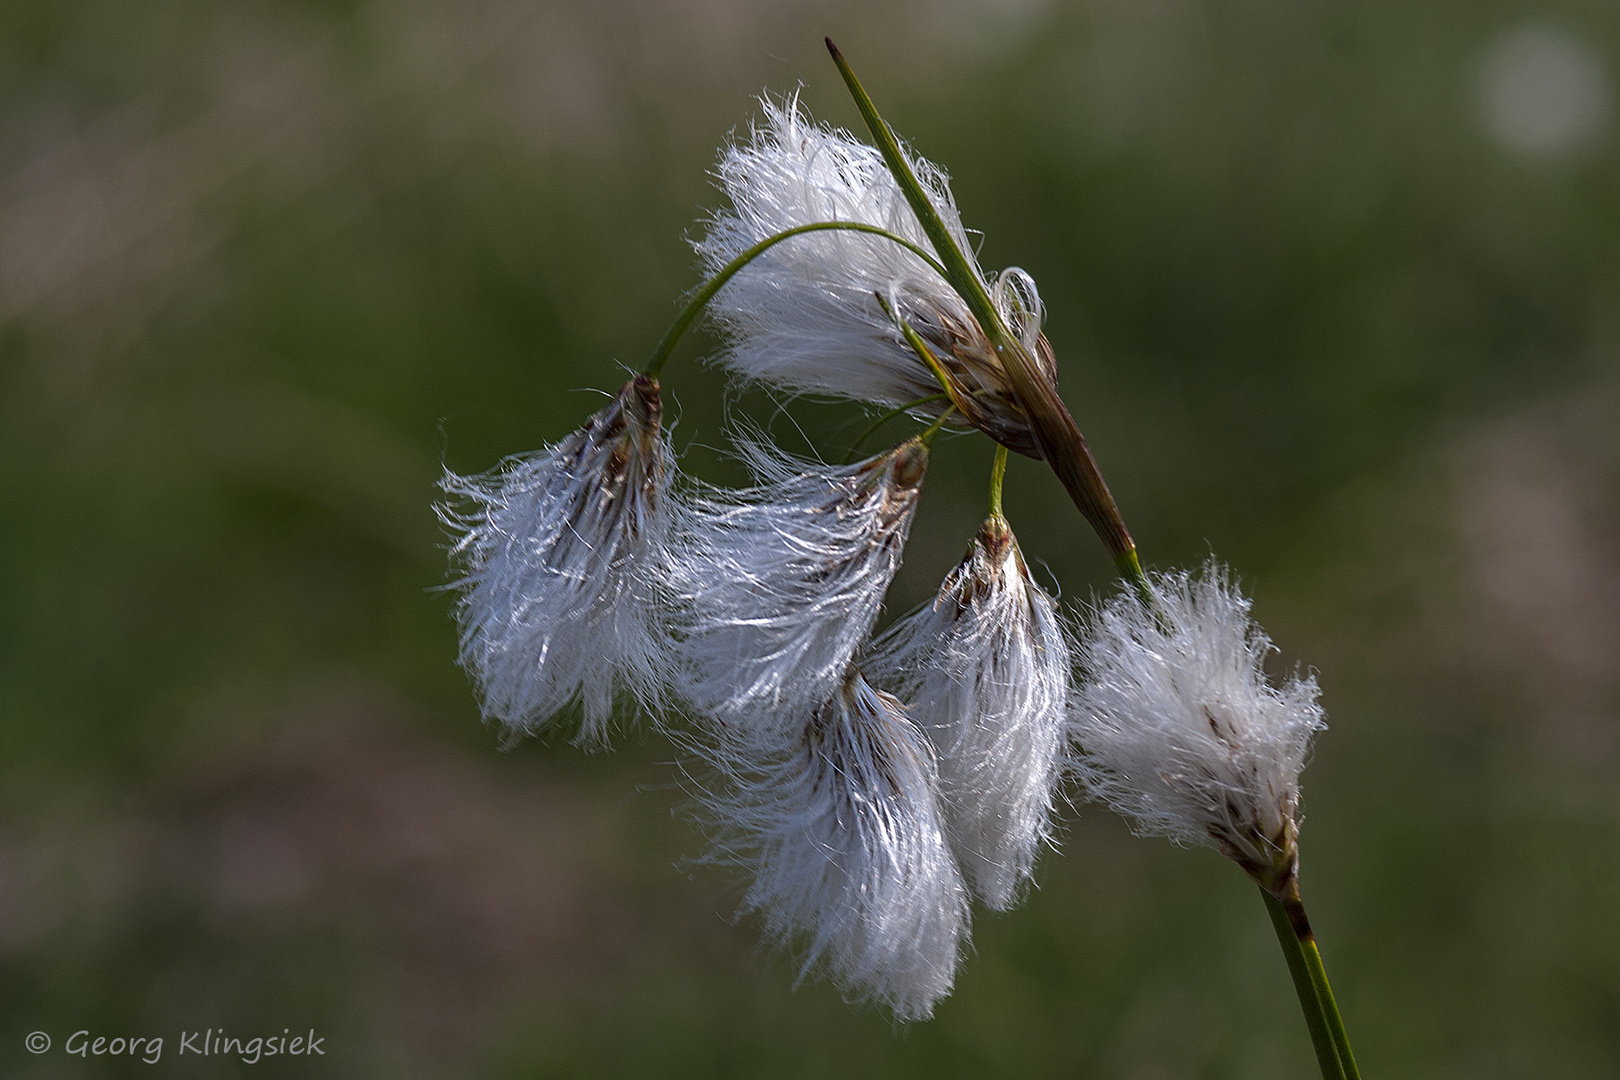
(805, 316)
(776, 586)
(559, 553)
(1179, 730)
(985, 669)
(840, 829)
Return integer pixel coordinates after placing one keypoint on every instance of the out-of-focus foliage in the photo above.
(1334, 294)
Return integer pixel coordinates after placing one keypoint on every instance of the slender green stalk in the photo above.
(927, 436)
(958, 270)
(1311, 984)
(689, 313)
(1341, 1038)
(998, 472)
(1056, 433)
(1130, 568)
(924, 353)
(886, 417)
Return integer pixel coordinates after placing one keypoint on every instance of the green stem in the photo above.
(998, 472)
(1311, 984)
(1341, 1038)
(1130, 568)
(886, 417)
(927, 436)
(1056, 433)
(684, 320)
(957, 269)
(920, 347)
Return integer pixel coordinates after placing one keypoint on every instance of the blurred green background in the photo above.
(1335, 290)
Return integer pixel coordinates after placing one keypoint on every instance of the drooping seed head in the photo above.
(839, 827)
(559, 554)
(985, 669)
(778, 585)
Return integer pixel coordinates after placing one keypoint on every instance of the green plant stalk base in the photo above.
(1322, 1017)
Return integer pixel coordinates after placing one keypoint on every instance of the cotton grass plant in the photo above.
(870, 790)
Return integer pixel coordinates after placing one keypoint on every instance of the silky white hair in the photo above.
(805, 315)
(985, 670)
(560, 554)
(836, 819)
(1179, 730)
(776, 586)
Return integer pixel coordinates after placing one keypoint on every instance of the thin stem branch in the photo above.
(927, 436)
(1130, 568)
(998, 472)
(924, 353)
(886, 417)
(689, 313)
(1322, 1017)
(958, 270)
(1341, 1038)
(1057, 435)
